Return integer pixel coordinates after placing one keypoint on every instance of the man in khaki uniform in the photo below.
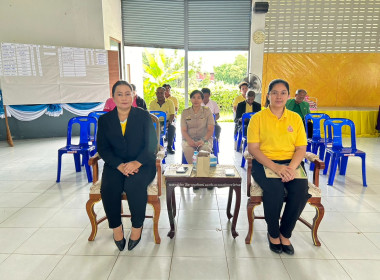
(167, 106)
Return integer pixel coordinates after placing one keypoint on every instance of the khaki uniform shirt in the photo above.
(196, 124)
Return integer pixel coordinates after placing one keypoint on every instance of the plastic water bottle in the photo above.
(195, 160)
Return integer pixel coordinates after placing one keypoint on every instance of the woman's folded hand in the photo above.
(286, 173)
(129, 168)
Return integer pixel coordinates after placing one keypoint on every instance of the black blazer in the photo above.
(240, 110)
(138, 143)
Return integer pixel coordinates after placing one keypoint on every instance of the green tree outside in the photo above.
(160, 68)
(232, 73)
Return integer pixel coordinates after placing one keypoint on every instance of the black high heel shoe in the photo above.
(121, 243)
(133, 243)
(277, 248)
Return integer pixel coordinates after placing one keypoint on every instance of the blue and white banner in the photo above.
(32, 112)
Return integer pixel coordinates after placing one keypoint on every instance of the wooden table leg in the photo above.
(169, 203)
(9, 136)
(174, 205)
(228, 211)
(236, 211)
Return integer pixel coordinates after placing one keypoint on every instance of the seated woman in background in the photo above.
(247, 106)
(137, 101)
(277, 140)
(127, 142)
(197, 127)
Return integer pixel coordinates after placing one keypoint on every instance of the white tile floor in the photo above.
(44, 226)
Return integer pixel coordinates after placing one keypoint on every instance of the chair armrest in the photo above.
(160, 156)
(247, 155)
(318, 165)
(93, 161)
(249, 159)
(161, 153)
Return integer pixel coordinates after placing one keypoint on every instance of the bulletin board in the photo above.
(40, 74)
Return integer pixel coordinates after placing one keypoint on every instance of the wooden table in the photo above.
(216, 178)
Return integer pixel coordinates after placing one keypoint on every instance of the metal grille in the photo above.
(323, 26)
(212, 24)
(153, 23)
(219, 25)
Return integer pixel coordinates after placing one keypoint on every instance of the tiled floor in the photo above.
(44, 226)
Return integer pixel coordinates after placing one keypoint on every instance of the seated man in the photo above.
(167, 106)
(301, 107)
(243, 87)
(170, 97)
(247, 106)
(213, 107)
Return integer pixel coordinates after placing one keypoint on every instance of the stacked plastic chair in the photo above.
(315, 142)
(161, 114)
(244, 117)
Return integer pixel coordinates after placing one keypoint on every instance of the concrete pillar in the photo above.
(256, 50)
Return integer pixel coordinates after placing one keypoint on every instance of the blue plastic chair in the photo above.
(83, 148)
(91, 137)
(315, 142)
(238, 138)
(337, 152)
(97, 114)
(215, 144)
(244, 117)
(161, 114)
(184, 161)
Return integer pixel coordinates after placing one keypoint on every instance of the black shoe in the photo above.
(210, 188)
(171, 151)
(133, 243)
(288, 249)
(277, 248)
(194, 188)
(121, 243)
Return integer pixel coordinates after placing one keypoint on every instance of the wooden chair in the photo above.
(154, 192)
(255, 193)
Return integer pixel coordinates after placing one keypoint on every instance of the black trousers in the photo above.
(238, 126)
(273, 199)
(114, 183)
(217, 130)
(170, 133)
(309, 127)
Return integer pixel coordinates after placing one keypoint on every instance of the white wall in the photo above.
(133, 57)
(70, 23)
(111, 21)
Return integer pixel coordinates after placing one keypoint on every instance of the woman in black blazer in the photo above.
(127, 142)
